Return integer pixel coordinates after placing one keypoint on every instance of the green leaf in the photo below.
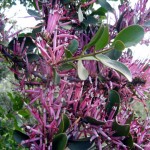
(128, 141)
(68, 54)
(73, 46)
(34, 13)
(80, 15)
(64, 124)
(90, 20)
(118, 66)
(16, 100)
(66, 66)
(106, 5)
(114, 100)
(120, 130)
(103, 39)
(117, 51)
(19, 137)
(56, 77)
(92, 121)
(130, 118)
(32, 57)
(88, 58)
(114, 54)
(131, 35)
(94, 38)
(100, 11)
(65, 1)
(119, 45)
(82, 144)
(24, 112)
(82, 72)
(37, 29)
(59, 142)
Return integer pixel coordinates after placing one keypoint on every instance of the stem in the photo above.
(82, 56)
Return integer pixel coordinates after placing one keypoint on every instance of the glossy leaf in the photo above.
(73, 46)
(95, 38)
(90, 20)
(128, 141)
(64, 124)
(114, 100)
(118, 66)
(80, 15)
(59, 142)
(120, 130)
(131, 35)
(106, 5)
(100, 11)
(82, 72)
(103, 39)
(119, 45)
(88, 58)
(82, 144)
(114, 54)
(92, 121)
(19, 137)
(117, 51)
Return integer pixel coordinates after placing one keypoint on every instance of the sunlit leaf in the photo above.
(80, 15)
(118, 66)
(95, 38)
(103, 39)
(131, 35)
(119, 45)
(82, 72)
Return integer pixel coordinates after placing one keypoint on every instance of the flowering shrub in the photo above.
(75, 79)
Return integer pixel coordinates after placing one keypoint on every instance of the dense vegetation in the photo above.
(76, 82)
